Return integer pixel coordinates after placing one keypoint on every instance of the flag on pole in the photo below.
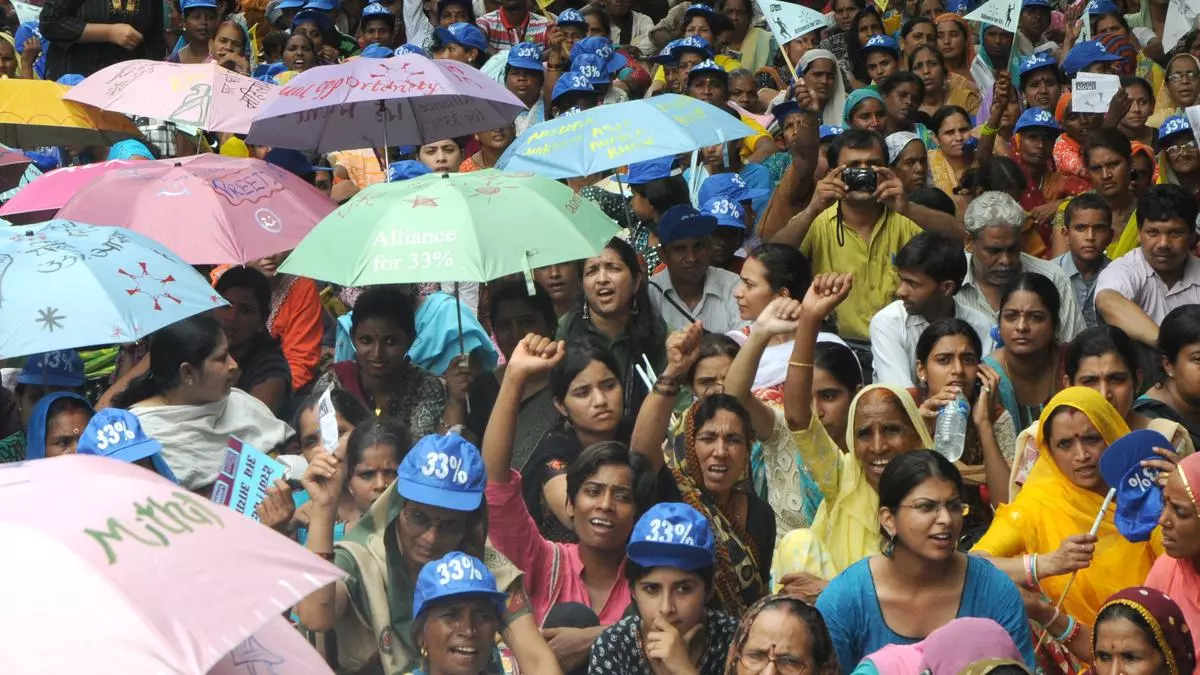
(788, 20)
(1000, 13)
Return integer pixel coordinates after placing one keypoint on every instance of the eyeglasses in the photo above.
(1183, 76)
(954, 507)
(1181, 148)
(756, 662)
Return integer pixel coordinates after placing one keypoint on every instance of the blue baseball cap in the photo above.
(410, 48)
(1035, 3)
(708, 66)
(376, 51)
(641, 173)
(61, 368)
(729, 186)
(671, 534)
(727, 212)
(1103, 7)
(884, 42)
(1036, 62)
(782, 110)
(591, 67)
(1085, 54)
(290, 4)
(526, 56)
(292, 161)
(828, 131)
(406, 169)
(308, 14)
(1037, 117)
(463, 34)
(571, 17)
(70, 79)
(185, 5)
(118, 434)
(1175, 124)
(376, 10)
(698, 8)
(571, 82)
(444, 471)
(322, 5)
(684, 222)
(602, 48)
(456, 574)
(692, 43)
(1139, 498)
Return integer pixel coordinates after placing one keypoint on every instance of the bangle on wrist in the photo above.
(988, 130)
(1072, 624)
(666, 390)
(1033, 570)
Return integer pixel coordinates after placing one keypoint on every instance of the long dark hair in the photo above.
(907, 471)
(189, 341)
(858, 60)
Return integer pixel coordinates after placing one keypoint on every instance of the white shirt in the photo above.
(894, 336)
(639, 34)
(1133, 277)
(717, 307)
(1070, 319)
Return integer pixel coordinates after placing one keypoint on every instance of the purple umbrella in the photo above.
(371, 103)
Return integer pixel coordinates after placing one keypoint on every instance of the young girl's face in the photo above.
(298, 54)
(199, 23)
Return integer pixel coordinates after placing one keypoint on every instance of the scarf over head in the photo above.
(1170, 634)
(1178, 577)
(831, 114)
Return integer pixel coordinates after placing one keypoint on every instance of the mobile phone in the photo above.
(860, 179)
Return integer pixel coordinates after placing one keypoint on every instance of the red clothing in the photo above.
(296, 321)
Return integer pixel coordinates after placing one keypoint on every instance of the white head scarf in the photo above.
(897, 142)
(832, 113)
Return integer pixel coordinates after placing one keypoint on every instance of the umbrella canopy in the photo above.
(203, 95)
(210, 209)
(41, 198)
(373, 103)
(143, 576)
(610, 136)
(12, 167)
(65, 285)
(34, 113)
(275, 649)
(476, 226)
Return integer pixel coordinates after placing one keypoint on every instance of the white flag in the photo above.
(1001, 13)
(788, 20)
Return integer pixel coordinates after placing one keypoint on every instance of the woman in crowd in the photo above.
(1176, 573)
(954, 43)
(1142, 630)
(952, 126)
(747, 43)
(441, 156)
(562, 283)
(1027, 363)
(920, 581)
(1179, 160)
(837, 38)
(1042, 536)
(1183, 86)
(1105, 359)
(1003, 108)
(230, 47)
(943, 87)
(187, 402)
(587, 397)
(56, 424)
(948, 357)
(670, 627)
(616, 311)
(319, 30)
(655, 186)
(425, 517)
(786, 632)
(865, 110)
(262, 369)
(298, 56)
(1177, 396)
(821, 75)
(492, 144)
(708, 471)
(917, 32)
(996, 52)
(295, 318)
(1140, 96)
(1040, 81)
(909, 159)
(457, 614)
(381, 376)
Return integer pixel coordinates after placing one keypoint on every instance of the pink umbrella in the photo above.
(203, 95)
(130, 572)
(208, 209)
(276, 649)
(42, 198)
(372, 103)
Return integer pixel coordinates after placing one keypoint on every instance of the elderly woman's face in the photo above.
(723, 450)
(458, 634)
(1179, 521)
(882, 430)
(780, 637)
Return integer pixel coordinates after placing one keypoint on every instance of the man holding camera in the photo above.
(858, 218)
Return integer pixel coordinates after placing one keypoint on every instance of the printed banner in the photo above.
(788, 20)
(1001, 13)
(245, 476)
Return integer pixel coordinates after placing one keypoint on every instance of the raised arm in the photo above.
(650, 430)
(828, 190)
(777, 318)
(891, 194)
(324, 479)
(796, 188)
(534, 354)
(826, 292)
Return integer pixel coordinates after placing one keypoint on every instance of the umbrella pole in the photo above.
(629, 219)
(387, 161)
(462, 350)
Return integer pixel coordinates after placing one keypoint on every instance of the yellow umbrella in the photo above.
(33, 114)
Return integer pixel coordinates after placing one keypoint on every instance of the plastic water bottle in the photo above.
(950, 432)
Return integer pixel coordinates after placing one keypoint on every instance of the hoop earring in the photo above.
(889, 547)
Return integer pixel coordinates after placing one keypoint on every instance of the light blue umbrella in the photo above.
(619, 134)
(65, 285)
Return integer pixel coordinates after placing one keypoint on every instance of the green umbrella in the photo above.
(457, 227)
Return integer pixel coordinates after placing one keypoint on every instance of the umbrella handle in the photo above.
(530, 288)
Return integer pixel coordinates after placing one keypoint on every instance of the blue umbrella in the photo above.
(65, 285)
(610, 136)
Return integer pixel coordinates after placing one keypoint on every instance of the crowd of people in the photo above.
(709, 448)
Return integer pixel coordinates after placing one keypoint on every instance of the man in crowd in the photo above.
(691, 289)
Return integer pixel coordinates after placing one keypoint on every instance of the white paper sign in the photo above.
(26, 12)
(1093, 92)
(327, 419)
(1181, 17)
(1001, 13)
(788, 20)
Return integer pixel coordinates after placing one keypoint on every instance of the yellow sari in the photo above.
(1051, 508)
